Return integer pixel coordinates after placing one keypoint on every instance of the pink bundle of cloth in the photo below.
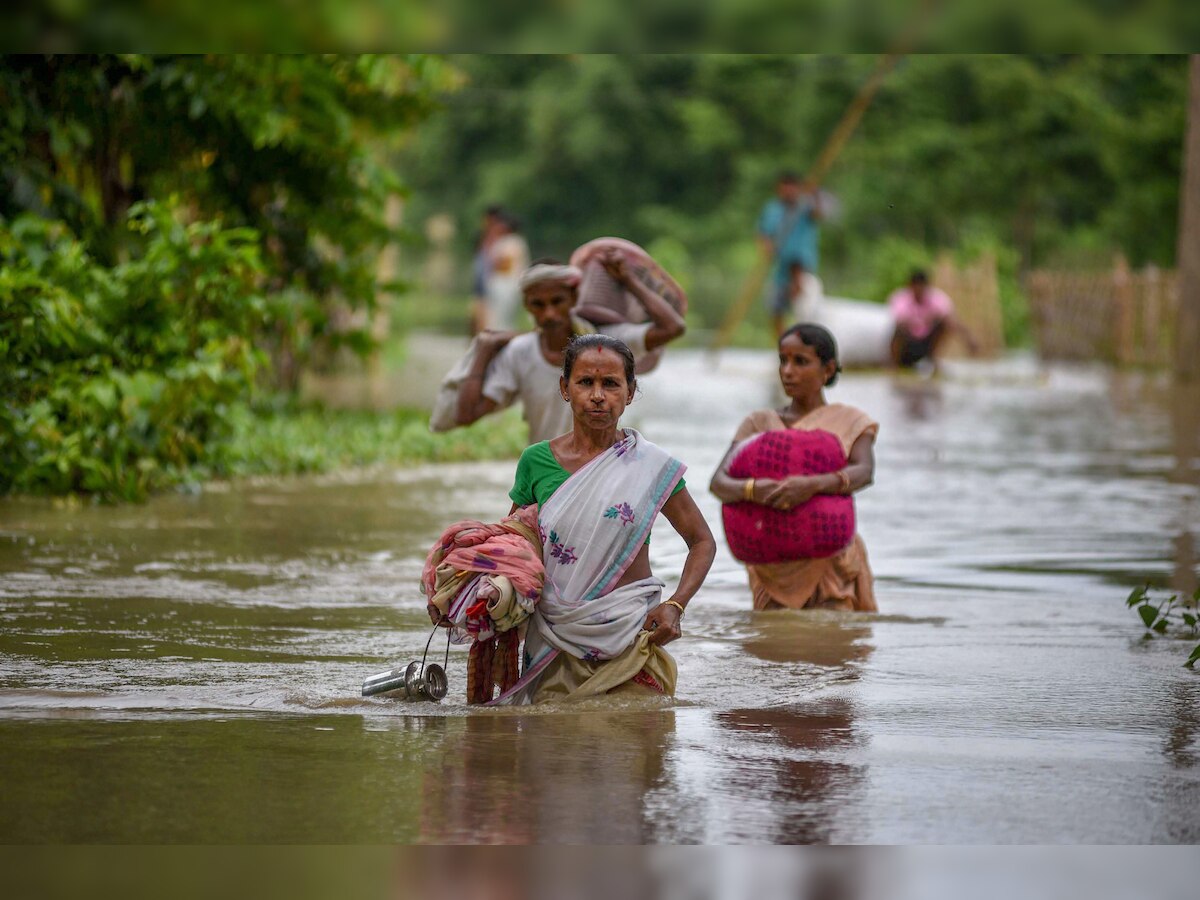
(486, 578)
(818, 528)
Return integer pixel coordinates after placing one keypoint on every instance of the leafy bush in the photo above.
(294, 147)
(118, 380)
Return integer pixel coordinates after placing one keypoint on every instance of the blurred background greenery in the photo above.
(1046, 161)
(558, 26)
(183, 238)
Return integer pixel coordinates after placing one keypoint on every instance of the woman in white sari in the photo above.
(601, 623)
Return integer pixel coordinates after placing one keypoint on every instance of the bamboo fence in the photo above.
(1122, 317)
(975, 291)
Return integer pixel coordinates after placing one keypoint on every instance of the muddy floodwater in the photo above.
(189, 670)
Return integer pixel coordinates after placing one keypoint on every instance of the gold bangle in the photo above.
(844, 478)
(748, 489)
(674, 603)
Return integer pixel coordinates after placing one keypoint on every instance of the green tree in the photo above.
(167, 225)
(294, 147)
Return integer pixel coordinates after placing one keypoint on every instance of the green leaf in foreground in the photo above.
(1165, 619)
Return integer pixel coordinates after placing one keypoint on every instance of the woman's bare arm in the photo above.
(685, 517)
(789, 492)
(729, 489)
(859, 472)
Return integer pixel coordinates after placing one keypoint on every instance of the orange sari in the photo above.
(843, 581)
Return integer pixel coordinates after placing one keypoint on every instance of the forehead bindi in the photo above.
(599, 362)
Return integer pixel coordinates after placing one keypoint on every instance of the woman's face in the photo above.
(597, 390)
(800, 369)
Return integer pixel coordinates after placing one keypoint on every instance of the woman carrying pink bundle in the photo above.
(825, 455)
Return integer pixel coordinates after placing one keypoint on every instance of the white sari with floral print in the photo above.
(592, 529)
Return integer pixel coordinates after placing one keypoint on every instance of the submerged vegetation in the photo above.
(1169, 617)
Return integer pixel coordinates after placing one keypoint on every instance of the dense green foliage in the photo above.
(119, 380)
(177, 232)
(1060, 159)
(294, 147)
(124, 380)
(174, 232)
(540, 26)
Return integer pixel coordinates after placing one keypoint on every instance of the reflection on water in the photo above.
(189, 670)
(792, 762)
(602, 873)
(569, 778)
(921, 400)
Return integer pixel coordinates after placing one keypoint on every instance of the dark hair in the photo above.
(583, 342)
(918, 276)
(788, 176)
(820, 339)
(493, 209)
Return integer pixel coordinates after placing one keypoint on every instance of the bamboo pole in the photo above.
(816, 174)
(850, 118)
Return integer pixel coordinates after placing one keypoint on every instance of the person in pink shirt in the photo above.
(924, 316)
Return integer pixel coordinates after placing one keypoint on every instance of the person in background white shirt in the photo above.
(508, 257)
(527, 366)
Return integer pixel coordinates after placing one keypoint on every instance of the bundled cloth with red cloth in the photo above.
(485, 580)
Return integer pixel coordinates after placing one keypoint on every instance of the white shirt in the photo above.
(520, 372)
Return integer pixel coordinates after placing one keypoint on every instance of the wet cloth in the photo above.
(585, 635)
(502, 561)
(912, 350)
(842, 581)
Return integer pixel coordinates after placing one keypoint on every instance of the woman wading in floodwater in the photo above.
(807, 365)
(601, 623)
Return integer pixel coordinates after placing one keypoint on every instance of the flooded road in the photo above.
(189, 670)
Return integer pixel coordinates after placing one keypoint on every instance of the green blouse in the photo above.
(539, 475)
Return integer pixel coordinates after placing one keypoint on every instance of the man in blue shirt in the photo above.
(787, 233)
